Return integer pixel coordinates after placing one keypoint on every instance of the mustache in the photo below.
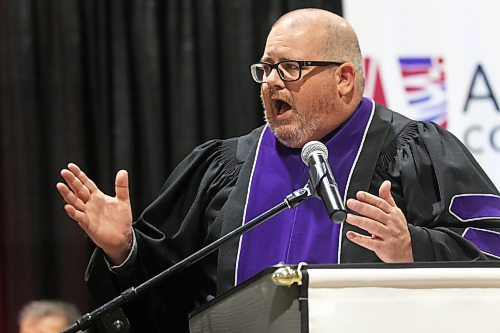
(281, 96)
(276, 94)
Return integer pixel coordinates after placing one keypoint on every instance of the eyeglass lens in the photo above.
(288, 71)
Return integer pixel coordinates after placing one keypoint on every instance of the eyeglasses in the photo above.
(288, 70)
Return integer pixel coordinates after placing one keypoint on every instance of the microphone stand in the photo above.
(121, 324)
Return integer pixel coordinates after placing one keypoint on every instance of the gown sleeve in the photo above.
(178, 222)
(428, 166)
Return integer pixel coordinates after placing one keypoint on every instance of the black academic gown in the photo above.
(205, 195)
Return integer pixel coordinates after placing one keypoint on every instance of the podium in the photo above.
(429, 297)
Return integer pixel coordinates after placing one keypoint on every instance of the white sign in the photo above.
(437, 61)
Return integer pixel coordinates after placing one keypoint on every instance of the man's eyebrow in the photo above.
(270, 60)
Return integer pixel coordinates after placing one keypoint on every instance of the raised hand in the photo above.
(107, 220)
(380, 216)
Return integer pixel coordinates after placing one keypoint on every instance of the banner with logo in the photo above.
(437, 61)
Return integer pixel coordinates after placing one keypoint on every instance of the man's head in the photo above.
(46, 317)
(325, 96)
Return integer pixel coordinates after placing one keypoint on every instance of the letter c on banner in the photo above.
(495, 133)
(467, 140)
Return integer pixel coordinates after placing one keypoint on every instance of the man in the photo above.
(390, 169)
(46, 316)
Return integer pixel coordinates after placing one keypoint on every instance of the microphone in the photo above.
(315, 155)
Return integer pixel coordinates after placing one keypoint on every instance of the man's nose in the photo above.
(274, 79)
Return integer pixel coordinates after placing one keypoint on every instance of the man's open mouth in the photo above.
(281, 106)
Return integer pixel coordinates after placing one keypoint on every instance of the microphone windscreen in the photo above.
(313, 147)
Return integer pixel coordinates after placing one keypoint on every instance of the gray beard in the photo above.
(304, 128)
(303, 131)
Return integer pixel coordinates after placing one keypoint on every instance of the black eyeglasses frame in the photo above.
(301, 63)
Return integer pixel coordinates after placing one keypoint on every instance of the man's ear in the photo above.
(345, 79)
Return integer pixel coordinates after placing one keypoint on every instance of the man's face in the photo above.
(45, 324)
(303, 110)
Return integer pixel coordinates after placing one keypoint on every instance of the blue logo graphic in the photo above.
(424, 82)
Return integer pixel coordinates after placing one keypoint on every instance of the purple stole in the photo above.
(476, 207)
(304, 233)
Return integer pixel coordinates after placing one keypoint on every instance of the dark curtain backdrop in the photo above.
(110, 84)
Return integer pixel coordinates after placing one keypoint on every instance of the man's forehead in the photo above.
(291, 30)
(286, 44)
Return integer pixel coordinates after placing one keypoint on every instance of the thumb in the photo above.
(385, 193)
(121, 186)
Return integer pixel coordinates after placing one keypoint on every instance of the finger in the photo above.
(370, 243)
(373, 227)
(83, 177)
(385, 193)
(121, 186)
(77, 215)
(80, 190)
(368, 210)
(373, 200)
(70, 197)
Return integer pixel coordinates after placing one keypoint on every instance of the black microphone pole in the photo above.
(85, 321)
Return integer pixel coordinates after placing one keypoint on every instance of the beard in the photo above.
(301, 125)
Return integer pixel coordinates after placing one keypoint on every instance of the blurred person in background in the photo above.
(47, 316)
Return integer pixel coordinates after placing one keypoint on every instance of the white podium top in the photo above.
(456, 277)
(410, 300)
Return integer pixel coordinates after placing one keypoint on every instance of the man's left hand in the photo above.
(380, 216)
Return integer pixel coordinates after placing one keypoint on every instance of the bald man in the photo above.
(46, 316)
(398, 178)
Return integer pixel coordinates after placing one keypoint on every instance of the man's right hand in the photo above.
(107, 220)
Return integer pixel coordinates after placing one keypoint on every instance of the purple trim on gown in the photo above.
(473, 207)
(470, 207)
(487, 241)
(304, 233)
